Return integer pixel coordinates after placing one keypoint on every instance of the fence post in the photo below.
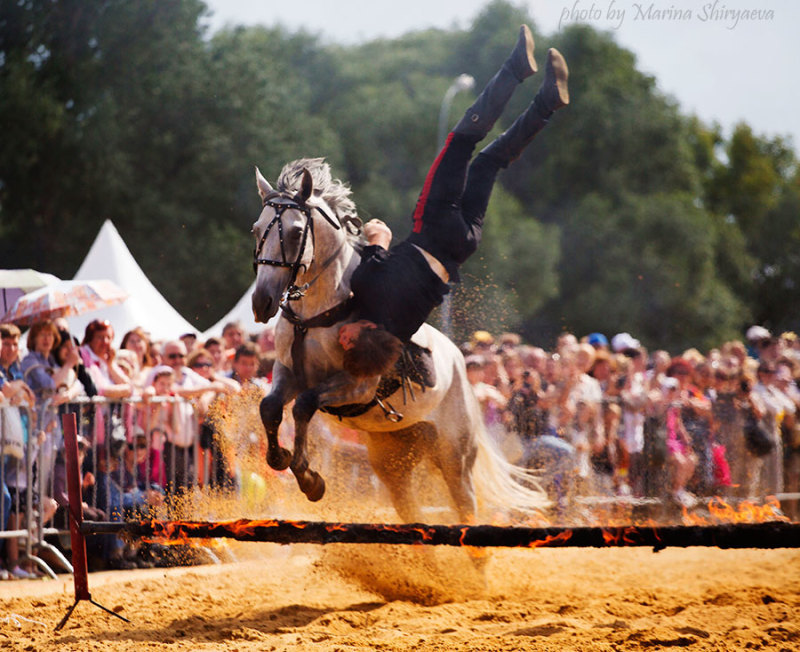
(79, 564)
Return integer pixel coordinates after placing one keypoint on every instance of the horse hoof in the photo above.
(314, 489)
(279, 459)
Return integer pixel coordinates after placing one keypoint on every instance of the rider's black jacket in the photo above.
(396, 289)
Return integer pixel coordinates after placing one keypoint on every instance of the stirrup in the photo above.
(389, 412)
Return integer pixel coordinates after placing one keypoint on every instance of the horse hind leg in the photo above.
(456, 459)
(393, 456)
(271, 411)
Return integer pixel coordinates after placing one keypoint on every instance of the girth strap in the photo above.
(323, 320)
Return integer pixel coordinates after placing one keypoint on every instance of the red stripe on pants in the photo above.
(426, 188)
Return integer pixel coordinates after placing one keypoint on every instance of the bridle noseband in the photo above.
(280, 203)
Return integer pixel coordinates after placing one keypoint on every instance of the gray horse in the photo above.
(307, 247)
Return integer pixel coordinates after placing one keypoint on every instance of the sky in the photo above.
(725, 62)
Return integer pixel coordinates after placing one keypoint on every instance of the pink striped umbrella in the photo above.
(64, 299)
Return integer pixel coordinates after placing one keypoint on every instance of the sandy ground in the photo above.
(399, 598)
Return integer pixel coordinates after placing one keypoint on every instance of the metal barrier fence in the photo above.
(111, 433)
(25, 498)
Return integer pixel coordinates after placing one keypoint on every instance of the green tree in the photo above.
(754, 190)
(645, 265)
(84, 84)
(513, 274)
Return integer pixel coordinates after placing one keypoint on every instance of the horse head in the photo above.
(294, 241)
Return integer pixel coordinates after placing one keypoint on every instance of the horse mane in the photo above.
(335, 192)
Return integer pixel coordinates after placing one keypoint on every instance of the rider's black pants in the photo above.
(448, 218)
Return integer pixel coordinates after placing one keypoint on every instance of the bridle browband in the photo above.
(280, 203)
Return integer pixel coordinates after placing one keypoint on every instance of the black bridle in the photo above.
(280, 203)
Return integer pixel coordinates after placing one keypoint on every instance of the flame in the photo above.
(190, 532)
(620, 535)
(245, 527)
(654, 527)
(389, 528)
(561, 537)
(747, 512)
(426, 534)
(179, 532)
(169, 534)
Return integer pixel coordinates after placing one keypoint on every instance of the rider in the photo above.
(396, 289)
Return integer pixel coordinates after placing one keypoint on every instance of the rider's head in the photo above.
(369, 350)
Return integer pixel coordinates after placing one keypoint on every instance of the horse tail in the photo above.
(499, 484)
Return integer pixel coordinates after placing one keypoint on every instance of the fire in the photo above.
(246, 527)
(426, 534)
(551, 539)
(621, 535)
(167, 533)
(180, 532)
(654, 526)
(747, 512)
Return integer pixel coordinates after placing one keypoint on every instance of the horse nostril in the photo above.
(261, 305)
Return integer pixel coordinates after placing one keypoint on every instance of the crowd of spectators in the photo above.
(594, 416)
(606, 417)
(150, 443)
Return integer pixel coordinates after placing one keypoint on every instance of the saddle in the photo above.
(413, 367)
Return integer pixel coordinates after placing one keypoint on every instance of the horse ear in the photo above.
(264, 188)
(307, 186)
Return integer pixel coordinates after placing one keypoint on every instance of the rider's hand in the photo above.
(377, 233)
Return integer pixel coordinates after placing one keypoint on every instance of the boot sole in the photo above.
(525, 33)
(558, 66)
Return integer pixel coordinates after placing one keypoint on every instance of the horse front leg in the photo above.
(310, 482)
(271, 411)
(336, 390)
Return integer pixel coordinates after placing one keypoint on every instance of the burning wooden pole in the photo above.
(769, 535)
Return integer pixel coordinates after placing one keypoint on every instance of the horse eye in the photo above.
(295, 233)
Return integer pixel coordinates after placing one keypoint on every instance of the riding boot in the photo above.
(553, 94)
(481, 116)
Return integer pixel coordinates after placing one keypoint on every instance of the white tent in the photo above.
(110, 258)
(243, 313)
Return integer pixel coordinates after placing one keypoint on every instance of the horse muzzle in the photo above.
(264, 306)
